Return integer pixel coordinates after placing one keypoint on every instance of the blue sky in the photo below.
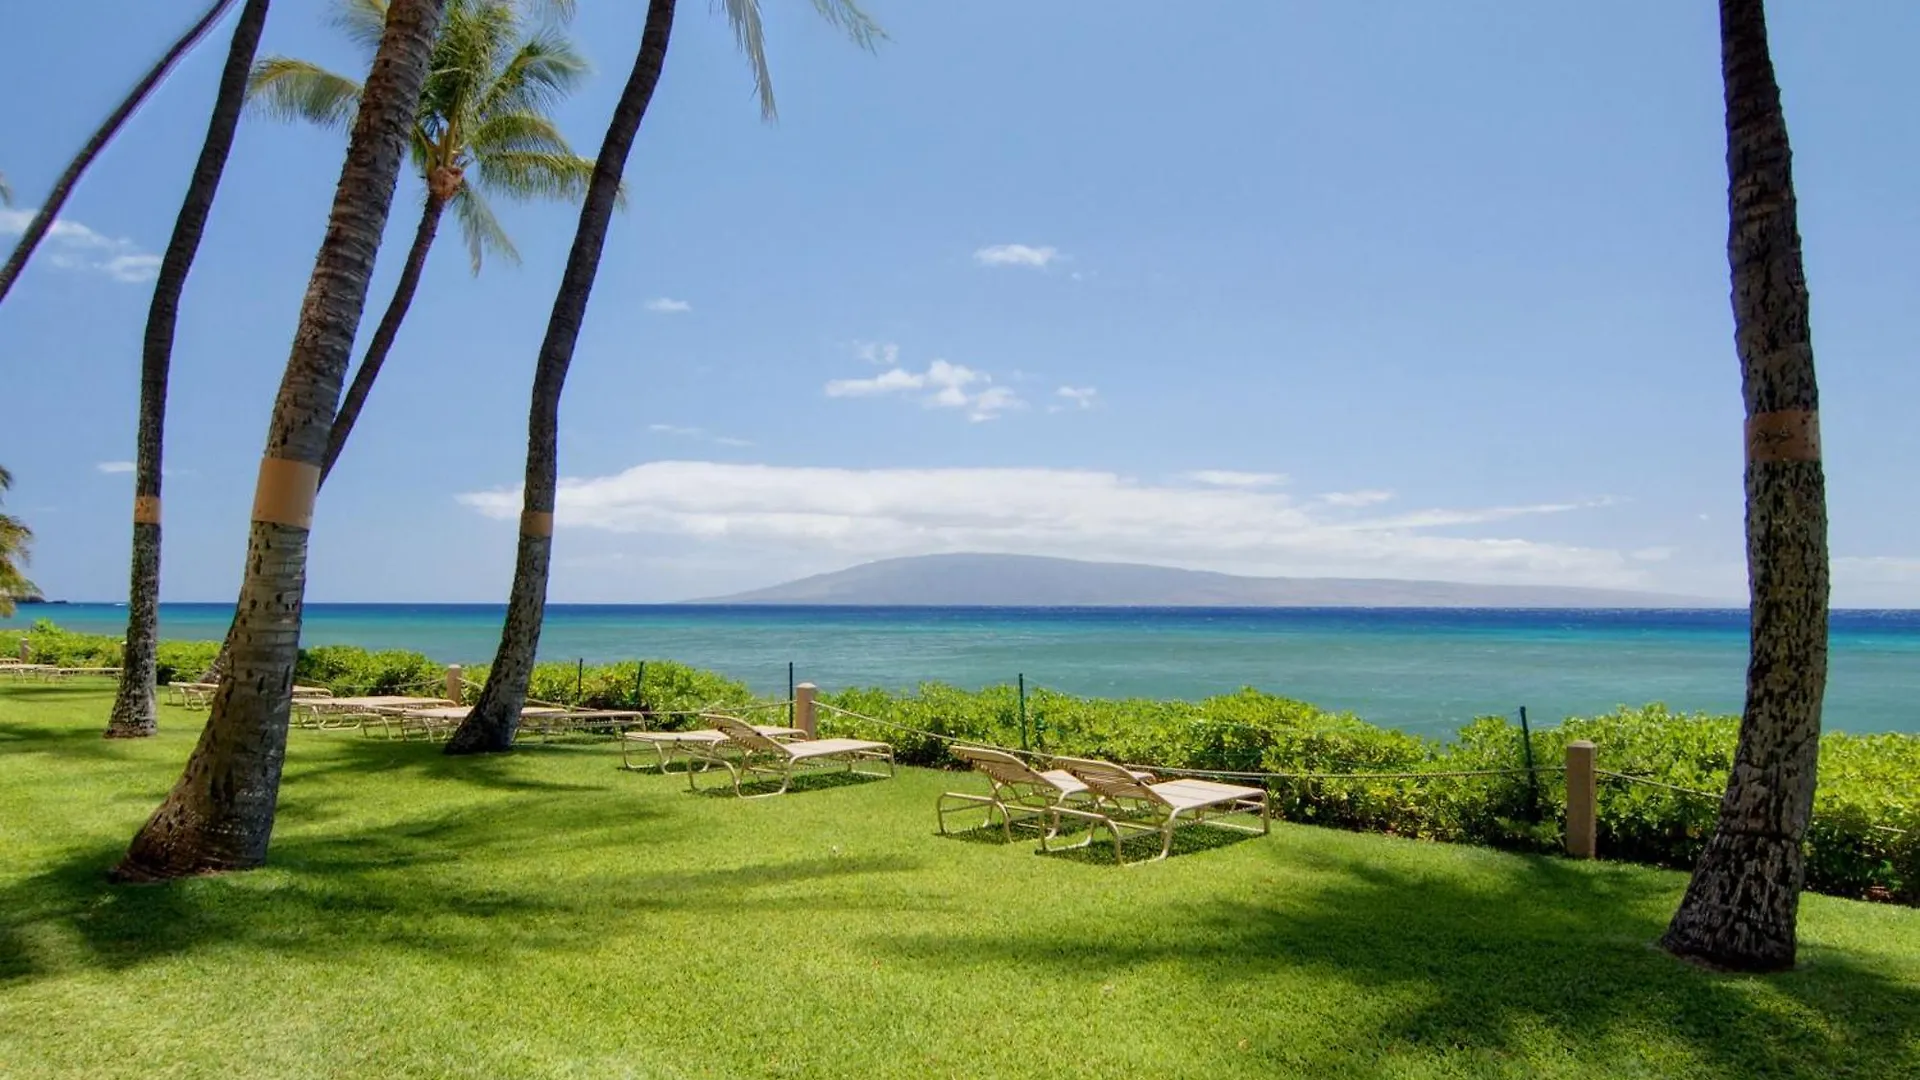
(1398, 290)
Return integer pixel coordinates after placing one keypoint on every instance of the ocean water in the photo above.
(1426, 670)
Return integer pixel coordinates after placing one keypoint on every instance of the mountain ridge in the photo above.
(984, 580)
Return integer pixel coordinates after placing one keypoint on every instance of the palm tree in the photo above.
(484, 109)
(495, 718)
(482, 130)
(49, 211)
(15, 538)
(133, 709)
(6, 193)
(219, 815)
(1741, 906)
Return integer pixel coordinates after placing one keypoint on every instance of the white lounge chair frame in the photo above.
(667, 744)
(746, 753)
(1128, 803)
(1021, 794)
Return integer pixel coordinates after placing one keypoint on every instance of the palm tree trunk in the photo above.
(1741, 906)
(219, 815)
(384, 334)
(133, 708)
(490, 727)
(49, 210)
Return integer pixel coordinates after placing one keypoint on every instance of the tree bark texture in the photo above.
(495, 718)
(219, 815)
(384, 334)
(133, 713)
(49, 211)
(1740, 908)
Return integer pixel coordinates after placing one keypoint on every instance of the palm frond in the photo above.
(289, 89)
(523, 131)
(554, 12)
(6, 193)
(6, 479)
(750, 35)
(363, 21)
(525, 175)
(481, 229)
(542, 71)
(857, 24)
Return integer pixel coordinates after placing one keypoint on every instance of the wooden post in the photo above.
(456, 689)
(1582, 828)
(803, 714)
(26, 650)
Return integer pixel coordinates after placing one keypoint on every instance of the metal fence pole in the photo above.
(640, 688)
(1533, 778)
(789, 693)
(1023, 712)
(579, 679)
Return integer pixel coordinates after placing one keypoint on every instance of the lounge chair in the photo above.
(1021, 794)
(1129, 803)
(666, 744)
(745, 752)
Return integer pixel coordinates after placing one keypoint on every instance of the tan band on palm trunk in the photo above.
(146, 509)
(284, 495)
(536, 523)
(1786, 435)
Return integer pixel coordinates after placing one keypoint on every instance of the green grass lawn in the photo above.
(546, 914)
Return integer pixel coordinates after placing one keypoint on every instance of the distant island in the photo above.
(1035, 581)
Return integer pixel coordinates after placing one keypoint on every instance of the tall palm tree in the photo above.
(219, 815)
(133, 708)
(49, 210)
(15, 538)
(482, 130)
(491, 725)
(1741, 906)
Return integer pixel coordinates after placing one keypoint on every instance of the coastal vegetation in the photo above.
(16, 541)
(1864, 840)
(545, 913)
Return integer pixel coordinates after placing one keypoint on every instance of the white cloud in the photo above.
(116, 466)
(882, 353)
(1016, 255)
(841, 513)
(1228, 478)
(696, 433)
(661, 305)
(70, 245)
(944, 385)
(1072, 397)
(1356, 498)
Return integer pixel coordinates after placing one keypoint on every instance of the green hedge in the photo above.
(1864, 840)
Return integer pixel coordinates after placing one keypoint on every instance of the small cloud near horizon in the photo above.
(1354, 499)
(1228, 478)
(1017, 255)
(696, 433)
(661, 305)
(112, 467)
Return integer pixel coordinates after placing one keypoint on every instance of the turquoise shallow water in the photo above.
(1421, 669)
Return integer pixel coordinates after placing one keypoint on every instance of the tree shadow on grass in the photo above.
(720, 786)
(1095, 846)
(343, 753)
(1496, 961)
(422, 884)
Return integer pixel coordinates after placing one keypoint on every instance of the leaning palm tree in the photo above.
(495, 718)
(482, 131)
(219, 815)
(15, 539)
(1741, 906)
(133, 707)
(56, 199)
